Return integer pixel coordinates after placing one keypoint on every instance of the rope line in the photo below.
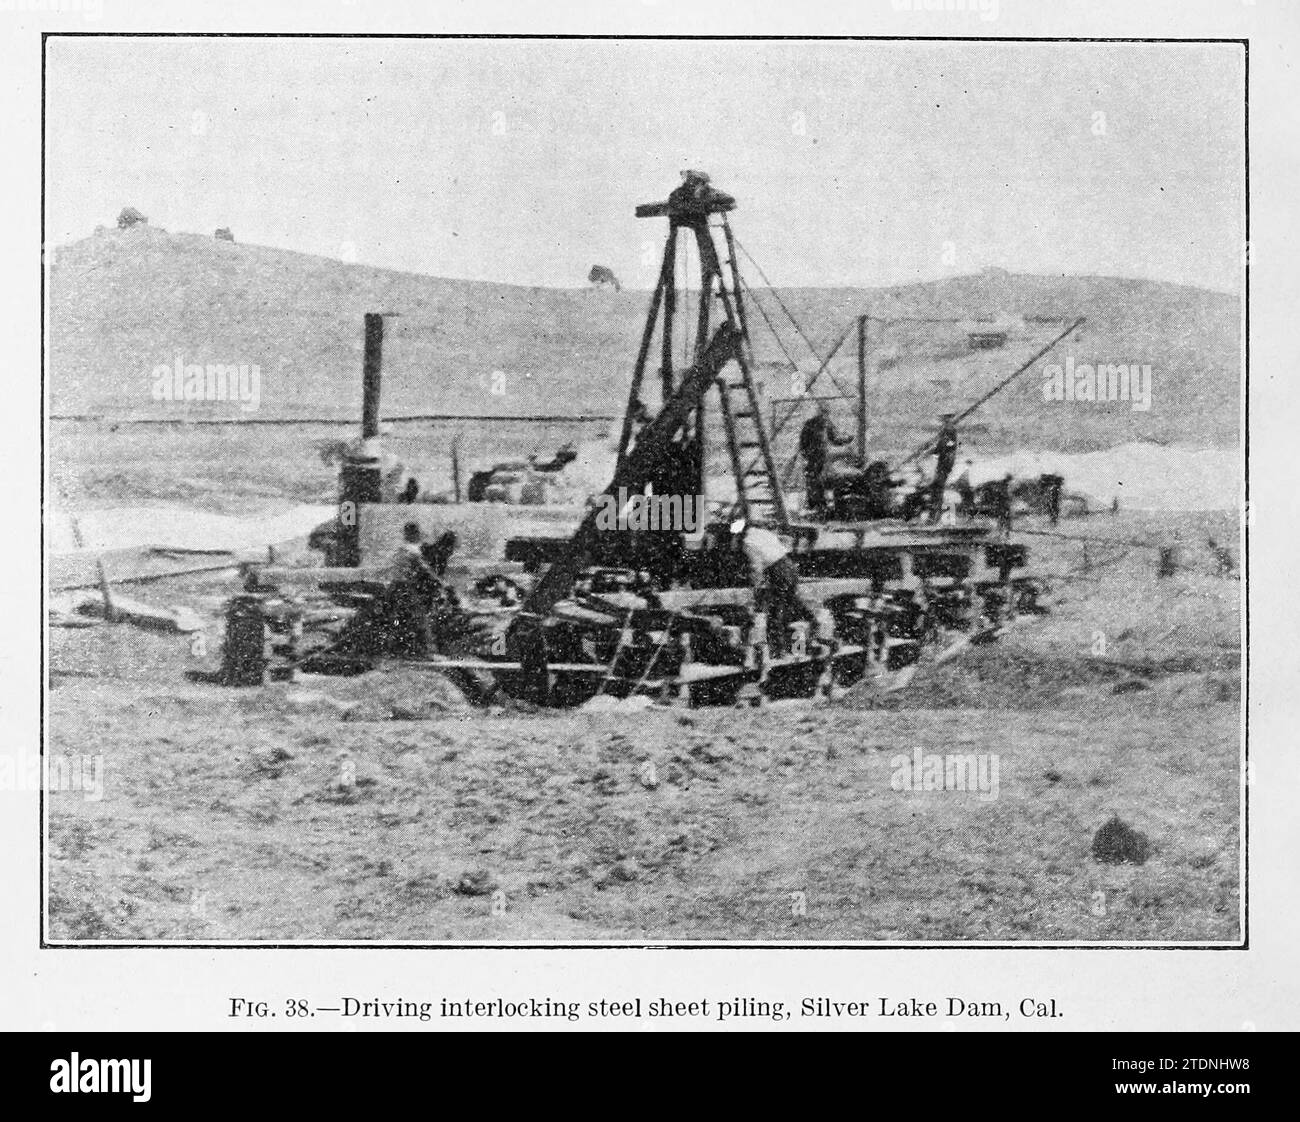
(777, 297)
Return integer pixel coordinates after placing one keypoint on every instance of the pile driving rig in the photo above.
(662, 608)
(660, 611)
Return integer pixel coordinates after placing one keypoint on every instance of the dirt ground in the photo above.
(386, 808)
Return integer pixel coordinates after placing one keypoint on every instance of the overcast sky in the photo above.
(854, 163)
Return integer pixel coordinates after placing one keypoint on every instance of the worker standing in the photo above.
(1053, 485)
(965, 491)
(413, 585)
(815, 439)
(776, 579)
(945, 449)
(1001, 490)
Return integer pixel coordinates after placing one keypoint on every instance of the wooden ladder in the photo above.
(759, 495)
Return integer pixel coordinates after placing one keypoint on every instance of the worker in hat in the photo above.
(999, 501)
(816, 438)
(945, 451)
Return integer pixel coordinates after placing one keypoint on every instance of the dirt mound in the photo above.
(1002, 676)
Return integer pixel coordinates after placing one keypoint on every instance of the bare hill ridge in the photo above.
(123, 302)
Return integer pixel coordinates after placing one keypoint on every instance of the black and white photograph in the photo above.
(533, 491)
(645, 517)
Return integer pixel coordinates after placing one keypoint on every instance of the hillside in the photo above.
(123, 302)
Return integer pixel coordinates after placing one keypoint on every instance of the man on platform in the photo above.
(815, 440)
(945, 451)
